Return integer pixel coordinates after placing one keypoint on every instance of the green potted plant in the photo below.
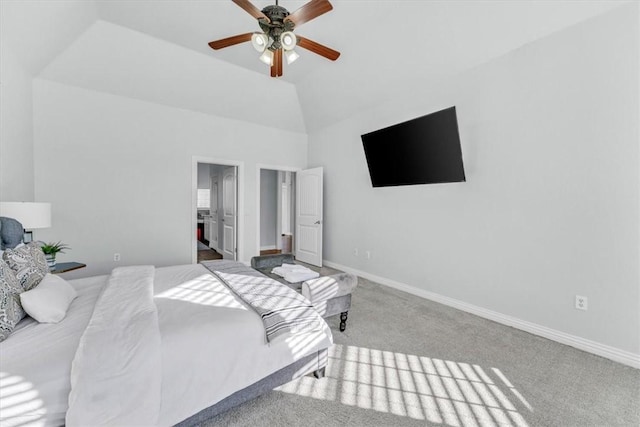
(51, 249)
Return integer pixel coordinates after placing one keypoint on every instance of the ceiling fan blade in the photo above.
(318, 48)
(230, 41)
(309, 11)
(251, 9)
(276, 68)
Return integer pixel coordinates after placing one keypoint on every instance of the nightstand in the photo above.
(63, 267)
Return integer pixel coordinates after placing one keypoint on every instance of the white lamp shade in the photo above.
(267, 57)
(291, 55)
(259, 41)
(30, 214)
(288, 40)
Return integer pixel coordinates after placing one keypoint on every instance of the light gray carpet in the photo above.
(406, 361)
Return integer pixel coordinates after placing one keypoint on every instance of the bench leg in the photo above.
(343, 320)
(319, 373)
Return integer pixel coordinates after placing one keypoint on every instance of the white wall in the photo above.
(118, 172)
(16, 129)
(143, 67)
(268, 208)
(31, 34)
(204, 175)
(550, 208)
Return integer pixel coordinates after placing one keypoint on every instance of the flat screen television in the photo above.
(425, 150)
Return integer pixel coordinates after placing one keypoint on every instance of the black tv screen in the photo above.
(425, 150)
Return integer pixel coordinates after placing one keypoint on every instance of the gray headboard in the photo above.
(11, 233)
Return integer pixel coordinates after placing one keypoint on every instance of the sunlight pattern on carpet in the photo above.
(445, 392)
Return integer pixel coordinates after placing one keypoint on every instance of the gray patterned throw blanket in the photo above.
(283, 310)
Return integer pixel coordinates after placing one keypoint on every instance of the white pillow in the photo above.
(48, 302)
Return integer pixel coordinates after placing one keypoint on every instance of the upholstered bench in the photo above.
(330, 295)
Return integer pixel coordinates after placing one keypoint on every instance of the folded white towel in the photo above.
(296, 276)
(288, 268)
(294, 273)
(294, 267)
(279, 271)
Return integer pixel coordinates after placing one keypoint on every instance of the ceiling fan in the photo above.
(277, 37)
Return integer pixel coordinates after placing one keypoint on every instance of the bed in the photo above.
(211, 354)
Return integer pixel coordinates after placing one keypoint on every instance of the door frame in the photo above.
(239, 202)
(259, 167)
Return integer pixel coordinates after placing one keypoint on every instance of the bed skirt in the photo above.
(315, 363)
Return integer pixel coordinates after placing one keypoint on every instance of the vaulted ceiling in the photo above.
(157, 50)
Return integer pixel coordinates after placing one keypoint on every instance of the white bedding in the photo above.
(120, 386)
(212, 345)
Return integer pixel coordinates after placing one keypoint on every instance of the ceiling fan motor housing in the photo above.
(277, 26)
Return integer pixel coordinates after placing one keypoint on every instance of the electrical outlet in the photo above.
(368, 254)
(582, 303)
(116, 257)
(355, 251)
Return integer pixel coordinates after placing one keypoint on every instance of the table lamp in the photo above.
(31, 215)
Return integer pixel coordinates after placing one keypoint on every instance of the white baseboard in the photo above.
(617, 355)
(268, 248)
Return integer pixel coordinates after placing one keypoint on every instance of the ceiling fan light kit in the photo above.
(267, 57)
(259, 41)
(291, 56)
(277, 36)
(288, 40)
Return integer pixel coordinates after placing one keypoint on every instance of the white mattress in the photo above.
(212, 346)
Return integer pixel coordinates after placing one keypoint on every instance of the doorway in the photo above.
(277, 211)
(216, 225)
(298, 199)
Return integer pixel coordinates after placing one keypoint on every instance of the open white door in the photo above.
(213, 228)
(309, 216)
(229, 214)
